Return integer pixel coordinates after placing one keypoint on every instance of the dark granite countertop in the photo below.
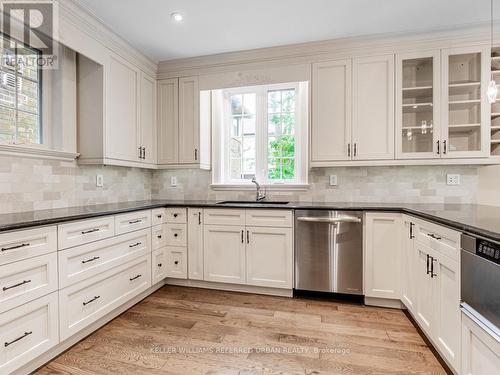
(475, 219)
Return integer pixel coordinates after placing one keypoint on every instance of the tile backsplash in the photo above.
(396, 184)
(32, 184)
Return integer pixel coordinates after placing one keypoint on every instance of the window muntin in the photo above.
(20, 90)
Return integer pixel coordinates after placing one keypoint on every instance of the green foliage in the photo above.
(281, 158)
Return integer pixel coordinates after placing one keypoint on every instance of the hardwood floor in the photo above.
(197, 331)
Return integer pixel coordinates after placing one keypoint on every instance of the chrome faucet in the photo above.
(261, 193)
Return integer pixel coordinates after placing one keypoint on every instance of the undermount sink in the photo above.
(253, 202)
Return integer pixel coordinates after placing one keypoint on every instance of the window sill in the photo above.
(250, 187)
(36, 152)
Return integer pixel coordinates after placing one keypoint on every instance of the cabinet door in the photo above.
(158, 265)
(224, 254)
(408, 261)
(382, 252)
(447, 283)
(373, 108)
(417, 105)
(122, 123)
(425, 310)
(168, 121)
(269, 256)
(176, 259)
(465, 117)
(189, 120)
(331, 111)
(195, 243)
(148, 118)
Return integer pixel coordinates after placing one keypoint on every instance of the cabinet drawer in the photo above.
(27, 332)
(133, 221)
(437, 237)
(81, 232)
(269, 218)
(27, 280)
(24, 244)
(176, 215)
(224, 216)
(86, 302)
(158, 216)
(176, 234)
(176, 260)
(159, 265)
(159, 236)
(83, 262)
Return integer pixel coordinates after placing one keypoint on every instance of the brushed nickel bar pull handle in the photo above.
(16, 285)
(92, 300)
(135, 245)
(90, 231)
(19, 338)
(90, 260)
(135, 221)
(135, 278)
(330, 220)
(15, 247)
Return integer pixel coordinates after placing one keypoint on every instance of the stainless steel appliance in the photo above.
(329, 251)
(480, 281)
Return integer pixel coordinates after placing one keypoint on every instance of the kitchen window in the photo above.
(20, 93)
(261, 132)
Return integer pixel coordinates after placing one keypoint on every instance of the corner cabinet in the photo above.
(179, 122)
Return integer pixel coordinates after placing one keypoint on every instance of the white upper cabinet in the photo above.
(331, 111)
(168, 120)
(189, 120)
(417, 105)
(148, 118)
(465, 115)
(122, 125)
(373, 108)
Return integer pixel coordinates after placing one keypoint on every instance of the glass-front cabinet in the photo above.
(495, 107)
(417, 105)
(441, 105)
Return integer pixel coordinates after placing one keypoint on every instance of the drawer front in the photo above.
(127, 223)
(27, 332)
(158, 216)
(27, 280)
(437, 237)
(224, 216)
(176, 215)
(159, 265)
(82, 232)
(176, 259)
(176, 234)
(159, 236)
(24, 244)
(90, 300)
(269, 218)
(83, 262)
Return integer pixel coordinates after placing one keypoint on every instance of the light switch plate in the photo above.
(333, 180)
(99, 180)
(173, 181)
(452, 179)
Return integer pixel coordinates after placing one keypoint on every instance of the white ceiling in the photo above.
(215, 26)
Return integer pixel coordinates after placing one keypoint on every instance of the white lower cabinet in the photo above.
(382, 255)
(408, 263)
(195, 244)
(91, 299)
(158, 265)
(176, 262)
(224, 254)
(27, 332)
(269, 257)
(426, 296)
(480, 350)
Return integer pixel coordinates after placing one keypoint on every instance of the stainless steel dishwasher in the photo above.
(329, 251)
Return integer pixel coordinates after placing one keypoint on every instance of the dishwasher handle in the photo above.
(330, 220)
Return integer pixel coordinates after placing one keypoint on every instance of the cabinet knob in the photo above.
(175, 215)
(159, 264)
(175, 235)
(176, 262)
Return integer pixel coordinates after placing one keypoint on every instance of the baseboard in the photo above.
(384, 302)
(75, 339)
(231, 287)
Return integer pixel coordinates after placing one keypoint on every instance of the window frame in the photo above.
(15, 142)
(222, 136)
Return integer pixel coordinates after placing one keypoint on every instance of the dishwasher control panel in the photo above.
(488, 250)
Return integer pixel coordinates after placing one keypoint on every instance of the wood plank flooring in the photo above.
(197, 331)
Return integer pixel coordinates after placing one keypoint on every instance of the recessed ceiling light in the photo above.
(177, 17)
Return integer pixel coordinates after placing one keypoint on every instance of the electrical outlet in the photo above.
(99, 180)
(333, 180)
(173, 181)
(453, 179)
